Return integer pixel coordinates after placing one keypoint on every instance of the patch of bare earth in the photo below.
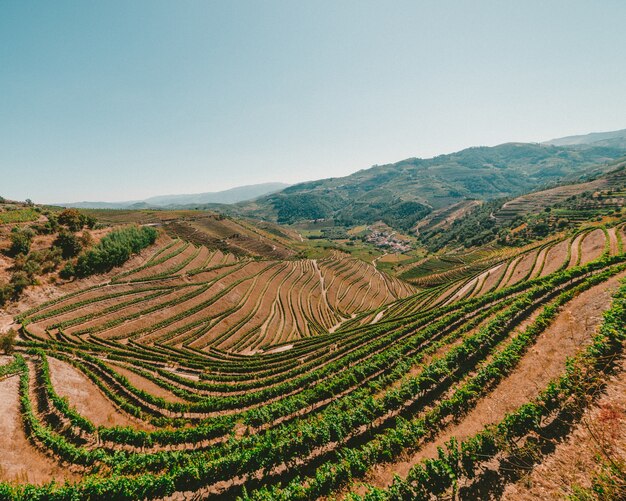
(555, 258)
(593, 246)
(601, 433)
(145, 384)
(614, 247)
(20, 461)
(571, 329)
(85, 396)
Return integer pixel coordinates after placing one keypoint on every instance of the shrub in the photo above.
(67, 272)
(75, 220)
(115, 249)
(68, 243)
(7, 341)
(20, 241)
(20, 280)
(71, 218)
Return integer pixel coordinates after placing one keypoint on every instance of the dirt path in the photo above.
(544, 361)
(574, 256)
(145, 384)
(603, 428)
(555, 258)
(593, 246)
(613, 241)
(84, 396)
(19, 459)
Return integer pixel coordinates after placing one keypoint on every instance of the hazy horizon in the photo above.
(124, 101)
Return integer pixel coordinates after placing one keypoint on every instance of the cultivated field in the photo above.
(192, 373)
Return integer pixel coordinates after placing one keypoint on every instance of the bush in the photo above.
(20, 241)
(7, 341)
(115, 249)
(71, 218)
(6, 293)
(67, 272)
(68, 243)
(19, 281)
(75, 220)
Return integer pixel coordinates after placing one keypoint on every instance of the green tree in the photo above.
(7, 341)
(20, 280)
(72, 218)
(68, 243)
(20, 242)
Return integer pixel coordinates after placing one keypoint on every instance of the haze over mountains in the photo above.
(612, 139)
(402, 193)
(230, 196)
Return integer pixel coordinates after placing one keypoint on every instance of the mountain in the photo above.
(402, 193)
(231, 196)
(612, 139)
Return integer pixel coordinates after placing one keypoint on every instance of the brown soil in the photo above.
(509, 271)
(19, 460)
(145, 384)
(522, 269)
(541, 256)
(593, 246)
(493, 276)
(544, 361)
(555, 258)
(85, 397)
(575, 249)
(614, 248)
(575, 461)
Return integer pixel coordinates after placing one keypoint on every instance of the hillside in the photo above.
(530, 216)
(402, 193)
(189, 373)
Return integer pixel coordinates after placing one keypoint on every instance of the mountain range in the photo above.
(230, 196)
(402, 193)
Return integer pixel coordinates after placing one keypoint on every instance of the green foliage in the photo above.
(18, 215)
(69, 244)
(75, 220)
(115, 249)
(400, 193)
(21, 240)
(7, 341)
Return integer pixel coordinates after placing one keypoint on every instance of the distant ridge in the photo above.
(230, 196)
(611, 139)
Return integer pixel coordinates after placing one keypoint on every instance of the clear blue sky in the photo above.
(119, 100)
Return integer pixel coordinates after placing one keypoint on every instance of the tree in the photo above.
(7, 341)
(6, 293)
(20, 242)
(71, 218)
(20, 280)
(67, 272)
(68, 243)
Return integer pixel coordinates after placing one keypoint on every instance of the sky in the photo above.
(123, 100)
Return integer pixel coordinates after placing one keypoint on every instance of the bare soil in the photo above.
(20, 461)
(85, 396)
(555, 258)
(593, 246)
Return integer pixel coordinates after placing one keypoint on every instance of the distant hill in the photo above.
(612, 139)
(402, 193)
(231, 196)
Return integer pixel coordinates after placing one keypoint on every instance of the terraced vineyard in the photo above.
(199, 375)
